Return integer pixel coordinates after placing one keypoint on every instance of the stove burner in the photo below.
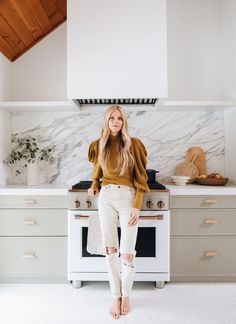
(87, 185)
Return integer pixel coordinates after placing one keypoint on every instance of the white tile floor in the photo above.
(62, 304)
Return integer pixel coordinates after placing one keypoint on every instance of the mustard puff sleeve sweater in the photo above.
(136, 178)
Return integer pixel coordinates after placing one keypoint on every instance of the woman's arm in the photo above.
(96, 175)
(97, 170)
(138, 198)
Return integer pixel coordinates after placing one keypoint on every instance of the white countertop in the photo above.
(200, 190)
(189, 189)
(47, 189)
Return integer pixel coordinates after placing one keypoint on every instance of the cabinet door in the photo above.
(32, 257)
(203, 222)
(32, 201)
(201, 256)
(209, 202)
(33, 222)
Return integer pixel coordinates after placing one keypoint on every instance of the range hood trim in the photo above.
(125, 101)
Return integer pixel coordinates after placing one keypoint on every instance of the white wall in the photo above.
(40, 74)
(5, 145)
(5, 117)
(230, 146)
(228, 64)
(5, 78)
(229, 83)
(193, 46)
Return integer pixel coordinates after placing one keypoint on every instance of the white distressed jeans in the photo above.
(115, 203)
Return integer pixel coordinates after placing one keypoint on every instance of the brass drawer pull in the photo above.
(28, 255)
(29, 222)
(211, 221)
(29, 201)
(211, 254)
(210, 201)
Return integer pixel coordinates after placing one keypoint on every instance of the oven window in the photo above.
(145, 245)
(146, 242)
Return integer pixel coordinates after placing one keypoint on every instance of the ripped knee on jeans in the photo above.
(127, 260)
(111, 250)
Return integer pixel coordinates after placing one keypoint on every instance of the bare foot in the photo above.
(115, 308)
(124, 305)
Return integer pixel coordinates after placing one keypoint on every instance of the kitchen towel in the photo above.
(95, 243)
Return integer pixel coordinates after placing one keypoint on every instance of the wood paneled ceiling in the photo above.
(23, 23)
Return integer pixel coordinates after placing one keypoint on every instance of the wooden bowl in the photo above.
(212, 181)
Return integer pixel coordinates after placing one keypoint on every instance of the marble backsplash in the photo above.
(166, 135)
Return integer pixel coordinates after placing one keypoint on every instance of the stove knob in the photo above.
(149, 204)
(160, 204)
(87, 204)
(77, 204)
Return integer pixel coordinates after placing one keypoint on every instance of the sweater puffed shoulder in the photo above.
(93, 152)
(140, 157)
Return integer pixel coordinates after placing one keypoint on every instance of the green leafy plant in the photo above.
(27, 150)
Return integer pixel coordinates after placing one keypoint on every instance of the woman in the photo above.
(120, 162)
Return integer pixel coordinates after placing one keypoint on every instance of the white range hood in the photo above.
(116, 51)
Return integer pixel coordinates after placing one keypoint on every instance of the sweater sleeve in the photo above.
(93, 158)
(140, 175)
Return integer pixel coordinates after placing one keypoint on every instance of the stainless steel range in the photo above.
(153, 241)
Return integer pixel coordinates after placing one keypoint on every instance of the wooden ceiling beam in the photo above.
(7, 49)
(62, 7)
(23, 23)
(25, 13)
(13, 19)
(9, 35)
(40, 15)
(52, 11)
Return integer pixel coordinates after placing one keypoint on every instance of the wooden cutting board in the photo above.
(200, 161)
(188, 168)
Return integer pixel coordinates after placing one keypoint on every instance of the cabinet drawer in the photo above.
(188, 256)
(33, 257)
(203, 202)
(203, 222)
(33, 222)
(32, 201)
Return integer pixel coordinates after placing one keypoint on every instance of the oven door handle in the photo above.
(156, 217)
(81, 217)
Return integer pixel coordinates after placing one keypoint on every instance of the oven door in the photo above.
(152, 243)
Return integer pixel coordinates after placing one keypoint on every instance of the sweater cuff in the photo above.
(138, 198)
(95, 183)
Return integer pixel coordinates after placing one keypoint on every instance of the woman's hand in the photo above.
(93, 191)
(134, 216)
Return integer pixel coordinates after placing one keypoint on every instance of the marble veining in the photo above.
(166, 134)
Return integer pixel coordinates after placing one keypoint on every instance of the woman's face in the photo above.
(115, 122)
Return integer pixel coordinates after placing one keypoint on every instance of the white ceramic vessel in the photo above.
(180, 180)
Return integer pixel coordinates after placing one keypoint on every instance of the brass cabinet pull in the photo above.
(29, 201)
(28, 255)
(211, 221)
(210, 201)
(29, 222)
(210, 253)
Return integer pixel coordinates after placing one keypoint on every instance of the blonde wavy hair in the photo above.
(124, 156)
